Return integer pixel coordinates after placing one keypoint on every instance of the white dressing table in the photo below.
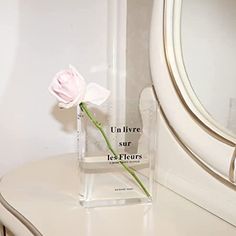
(40, 198)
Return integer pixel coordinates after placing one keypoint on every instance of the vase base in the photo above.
(103, 183)
(115, 202)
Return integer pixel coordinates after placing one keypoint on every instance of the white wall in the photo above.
(38, 38)
(209, 49)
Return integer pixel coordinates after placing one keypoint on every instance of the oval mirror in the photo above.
(208, 41)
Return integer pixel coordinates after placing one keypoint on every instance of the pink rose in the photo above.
(70, 88)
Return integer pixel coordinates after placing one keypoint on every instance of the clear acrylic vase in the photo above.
(125, 177)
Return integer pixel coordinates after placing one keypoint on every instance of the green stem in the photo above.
(83, 106)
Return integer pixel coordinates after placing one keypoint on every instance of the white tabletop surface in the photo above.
(46, 194)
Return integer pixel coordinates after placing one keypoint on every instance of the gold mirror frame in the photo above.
(214, 128)
(190, 101)
(205, 123)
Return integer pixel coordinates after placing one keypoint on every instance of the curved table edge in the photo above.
(20, 217)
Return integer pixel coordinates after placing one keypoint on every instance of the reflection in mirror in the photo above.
(208, 35)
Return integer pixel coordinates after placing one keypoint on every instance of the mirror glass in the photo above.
(208, 36)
